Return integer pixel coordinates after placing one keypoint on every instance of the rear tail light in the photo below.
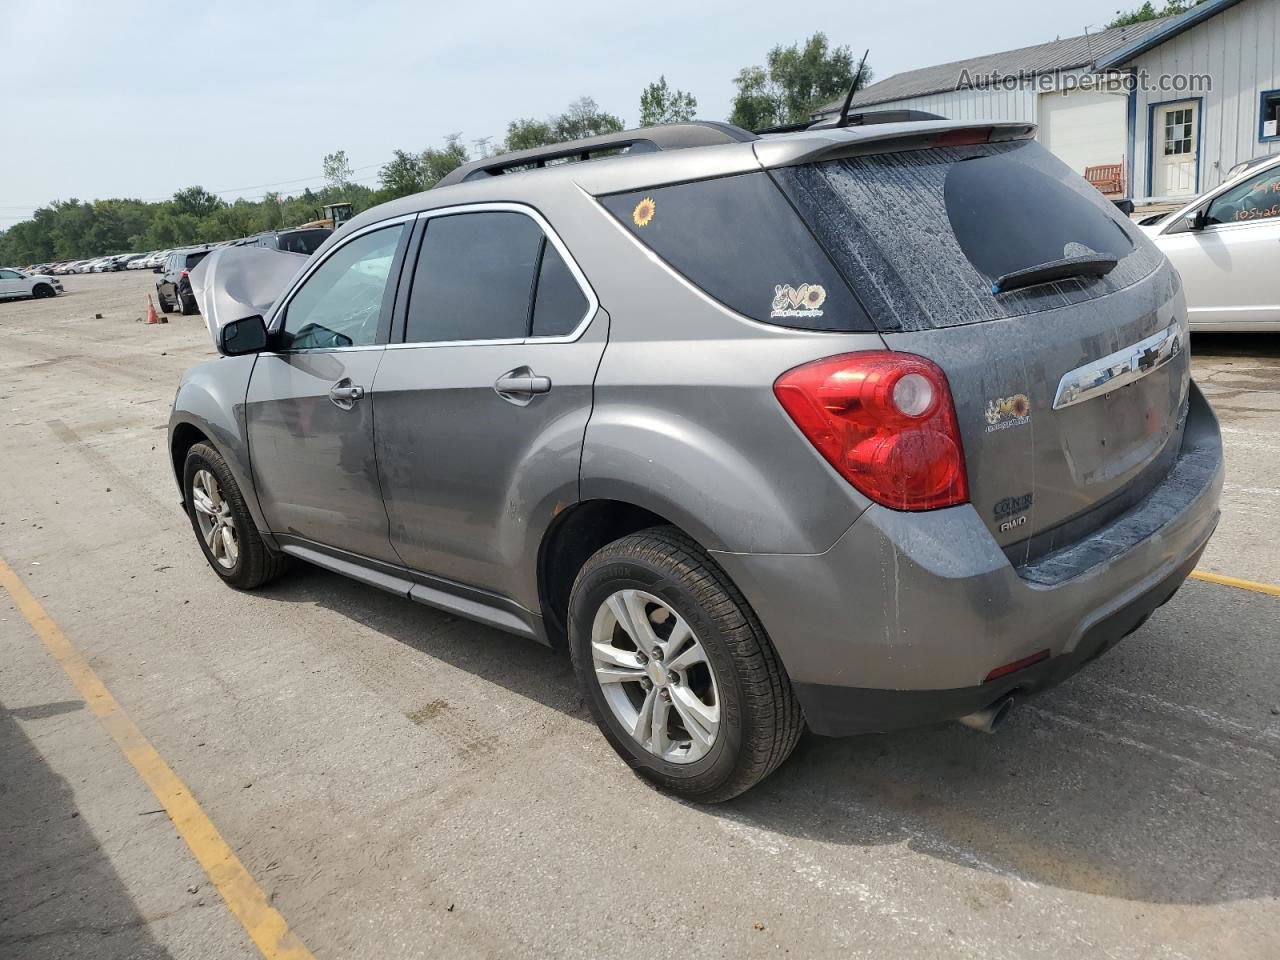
(885, 421)
(184, 274)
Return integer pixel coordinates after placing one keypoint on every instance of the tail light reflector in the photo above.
(885, 421)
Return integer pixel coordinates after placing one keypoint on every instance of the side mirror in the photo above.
(246, 335)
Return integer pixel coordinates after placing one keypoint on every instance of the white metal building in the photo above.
(1128, 96)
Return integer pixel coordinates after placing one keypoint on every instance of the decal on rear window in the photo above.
(805, 300)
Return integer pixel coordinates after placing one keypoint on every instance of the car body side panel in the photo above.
(471, 481)
(211, 398)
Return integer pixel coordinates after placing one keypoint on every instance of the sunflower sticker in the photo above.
(644, 211)
(805, 300)
(1006, 412)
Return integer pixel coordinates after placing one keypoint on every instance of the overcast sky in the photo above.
(139, 99)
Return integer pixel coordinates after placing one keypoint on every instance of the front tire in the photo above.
(42, 291)
(222, 523)
(678, 672)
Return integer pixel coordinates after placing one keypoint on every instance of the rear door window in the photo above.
(738, 239)
(303, 241)
(923, 235)
(194, 258)
(474, 278)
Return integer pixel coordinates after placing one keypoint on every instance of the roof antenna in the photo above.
(853, 88)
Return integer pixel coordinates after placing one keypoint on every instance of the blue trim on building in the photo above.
(1262, 116)
(1197, 14)
(1131, 121)
(1151, 137)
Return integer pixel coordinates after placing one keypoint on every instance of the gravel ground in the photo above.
(405, 784)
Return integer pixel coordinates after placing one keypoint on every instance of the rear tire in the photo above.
(162, 303)
(663, 584)
(214, 505)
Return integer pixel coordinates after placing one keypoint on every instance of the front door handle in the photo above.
(521, 385)
(344, 394)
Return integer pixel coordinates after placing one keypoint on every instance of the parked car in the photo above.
(18, 283)
(305, 240)
(173, 289)
(1225, 245)
(142, 261)
(814, 428)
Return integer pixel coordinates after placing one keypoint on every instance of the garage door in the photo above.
(1083, 128)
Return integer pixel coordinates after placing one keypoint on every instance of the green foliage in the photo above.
(582, 118)
(337, 169)
(72, 229)
(660, 104)
(795, 81)
(527, 134)
(1148, 12)
(409, 173)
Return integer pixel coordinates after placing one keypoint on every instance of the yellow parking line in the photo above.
(265, 926)
(1253, 585)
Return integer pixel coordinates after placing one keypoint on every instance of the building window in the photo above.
(1269, 125)
(1177, 131)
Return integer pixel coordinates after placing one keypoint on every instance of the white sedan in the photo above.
(16, 283)
(1226, 246)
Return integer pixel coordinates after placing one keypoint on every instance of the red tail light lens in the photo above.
(184, 273)
(885, 421)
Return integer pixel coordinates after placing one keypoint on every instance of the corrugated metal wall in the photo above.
(1237, 48)
(971, 104)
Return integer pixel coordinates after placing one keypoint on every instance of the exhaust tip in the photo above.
(992, 718)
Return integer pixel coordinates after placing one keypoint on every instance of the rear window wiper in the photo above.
(1088, 265)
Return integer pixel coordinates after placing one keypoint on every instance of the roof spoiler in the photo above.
(912, 135)
(865, 118)
(670, 136)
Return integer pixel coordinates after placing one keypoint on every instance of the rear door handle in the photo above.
(344, 394)
(521, 385)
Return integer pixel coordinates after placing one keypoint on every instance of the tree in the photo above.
(195, 202)
(528, 133)
(414, 172)
(795, 81)
(1148, 12)
(337, 169)
(660, 104)
(402, 175)
(584, 118)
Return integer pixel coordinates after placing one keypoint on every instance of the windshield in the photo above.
(924, 235)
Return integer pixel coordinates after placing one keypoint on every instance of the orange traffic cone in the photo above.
(151, 312)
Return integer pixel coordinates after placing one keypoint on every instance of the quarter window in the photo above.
(1258, 198)
(341, 303)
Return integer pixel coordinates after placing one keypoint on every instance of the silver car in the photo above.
(853, 428)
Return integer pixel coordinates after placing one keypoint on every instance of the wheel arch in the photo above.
(577, 532)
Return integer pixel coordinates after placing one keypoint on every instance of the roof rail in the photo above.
(670, 136)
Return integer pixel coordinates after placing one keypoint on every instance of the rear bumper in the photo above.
(901, 621)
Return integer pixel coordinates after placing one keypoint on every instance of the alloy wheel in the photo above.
(214, 517)
(655, 675)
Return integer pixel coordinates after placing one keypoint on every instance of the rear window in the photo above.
(922, 235)
(194, 258)
(738, 239)
(304, 241)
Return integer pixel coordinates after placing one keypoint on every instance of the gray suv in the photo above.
(853, 428)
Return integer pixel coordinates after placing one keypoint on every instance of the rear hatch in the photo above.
(1070, 392)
